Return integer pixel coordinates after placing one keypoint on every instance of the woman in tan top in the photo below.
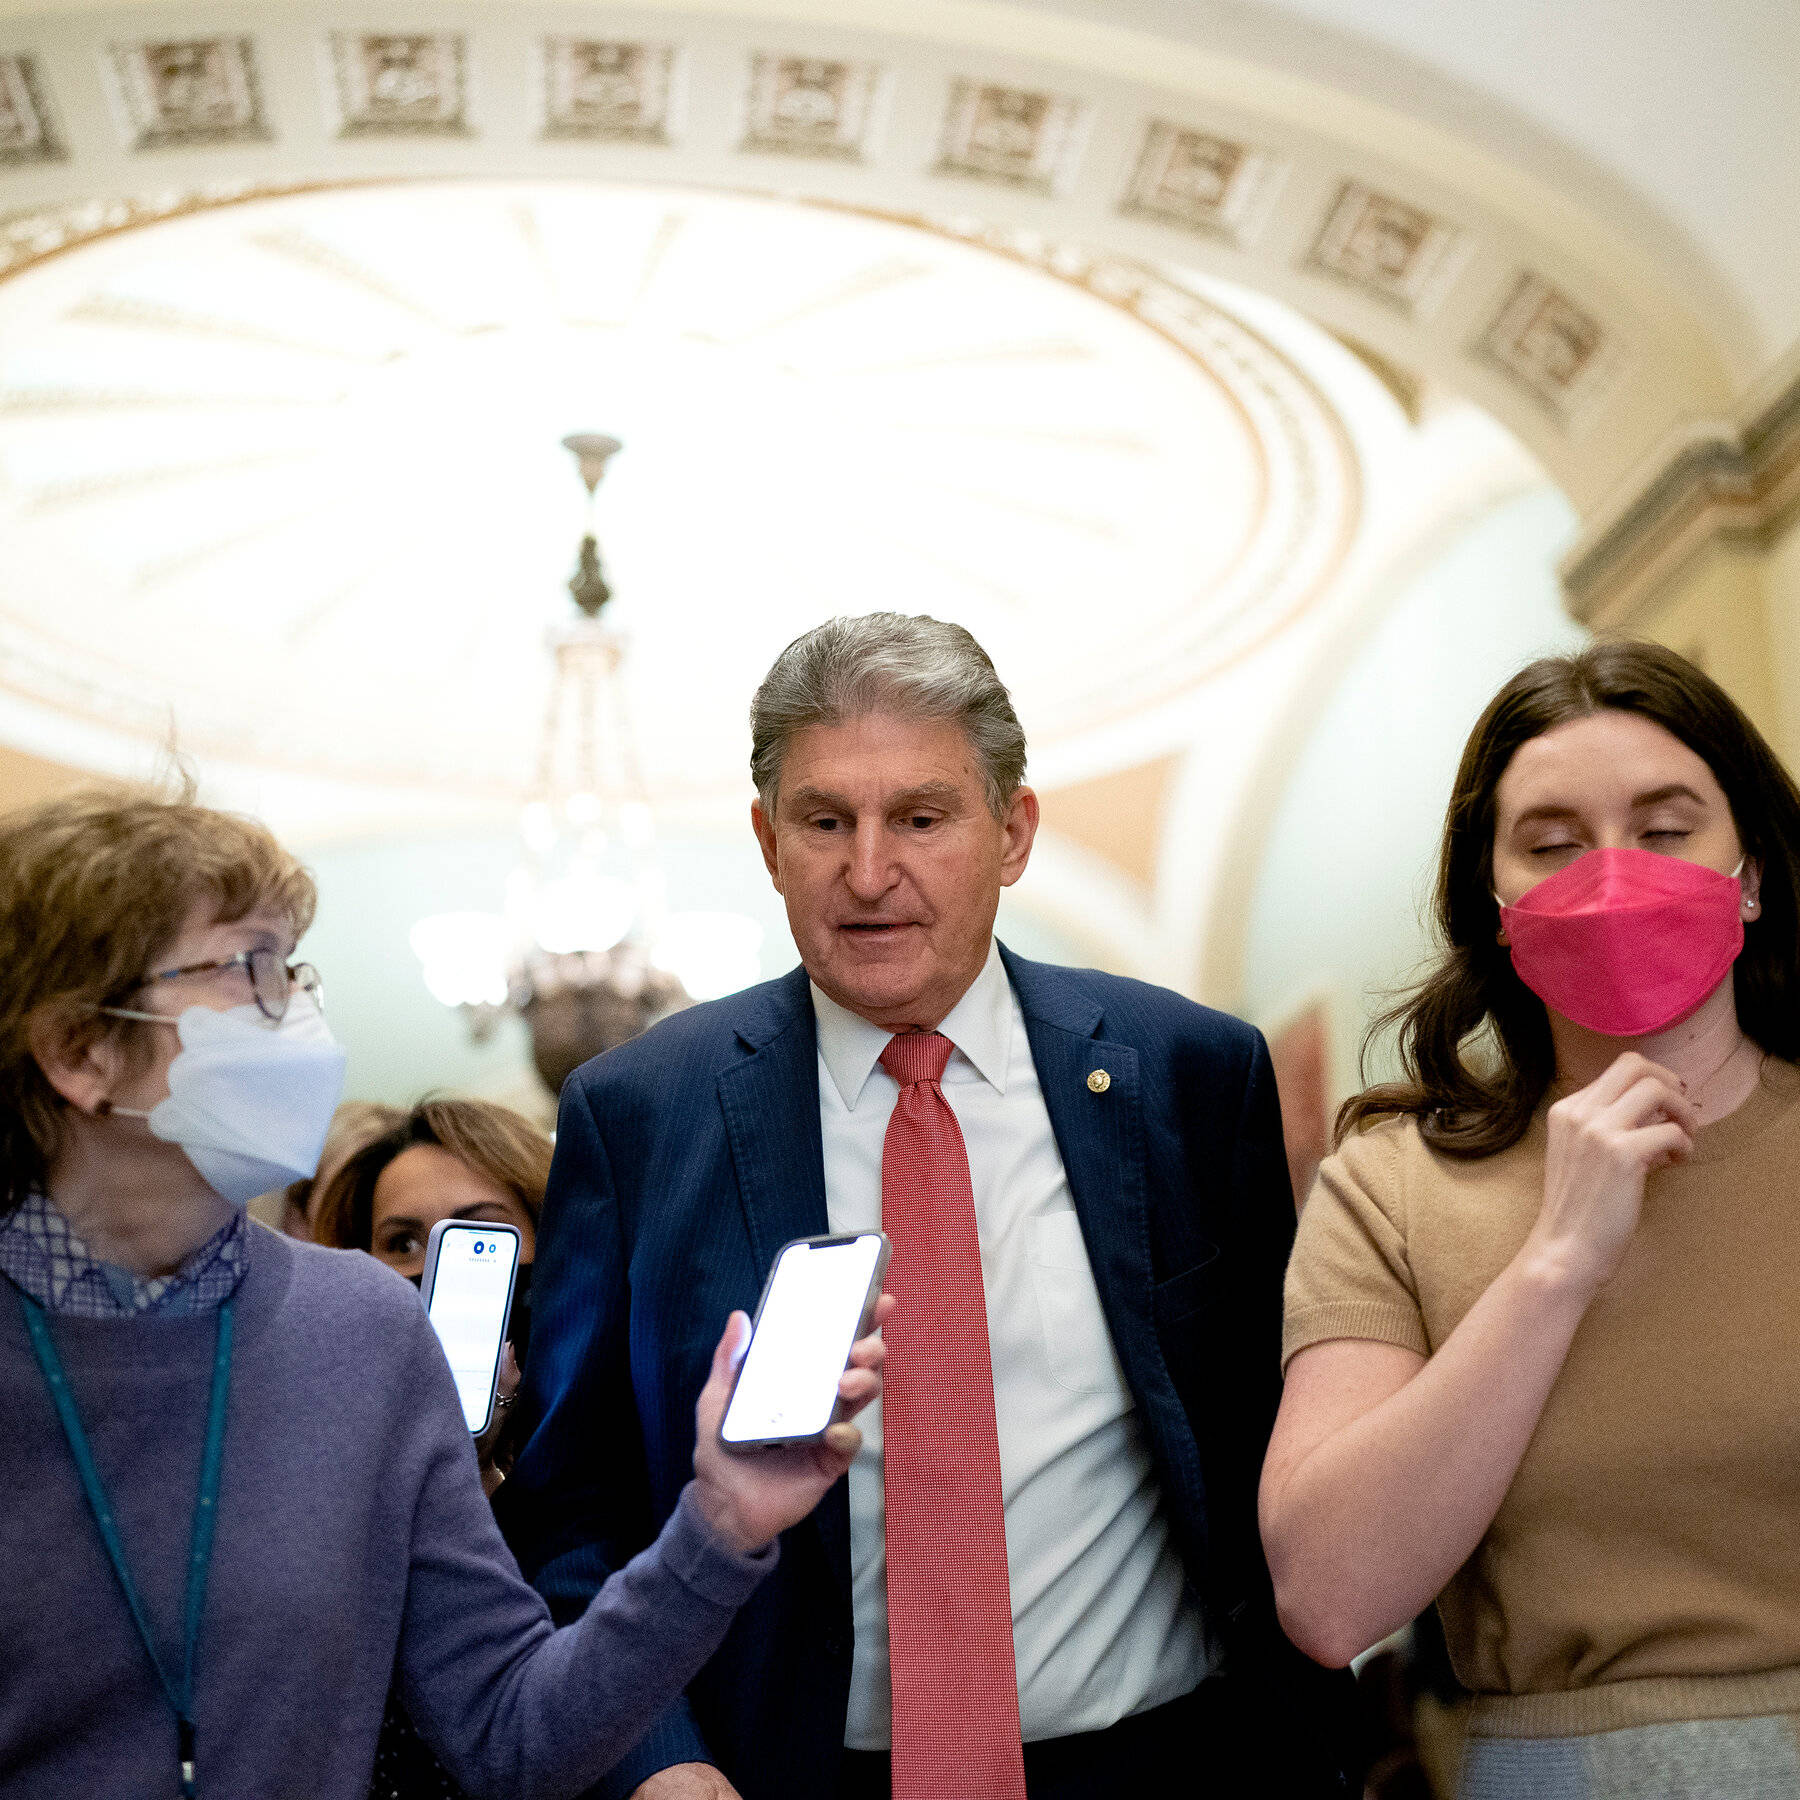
(1543, 1314)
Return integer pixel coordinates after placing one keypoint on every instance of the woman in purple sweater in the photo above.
(238, 1496)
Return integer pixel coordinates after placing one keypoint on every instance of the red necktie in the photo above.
(950, 1642)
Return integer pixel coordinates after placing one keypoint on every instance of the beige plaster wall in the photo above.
(27, 779)
(1719, 615)
(1118, 816)
(1781, 587)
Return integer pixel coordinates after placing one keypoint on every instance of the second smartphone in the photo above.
(467, 1289)
(819, 1299)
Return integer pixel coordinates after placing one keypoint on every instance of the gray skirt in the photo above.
(1687, 1759)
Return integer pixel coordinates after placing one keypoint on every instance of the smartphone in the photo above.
(819, 1299)
(467, 1288)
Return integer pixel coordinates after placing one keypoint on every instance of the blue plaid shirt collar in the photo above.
(40, 1253)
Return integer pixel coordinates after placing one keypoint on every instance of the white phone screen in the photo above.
(787, 1386)
(469, 1296)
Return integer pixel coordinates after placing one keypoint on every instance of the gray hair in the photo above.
(913, 666)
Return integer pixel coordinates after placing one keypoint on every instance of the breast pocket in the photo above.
(1077, 1344)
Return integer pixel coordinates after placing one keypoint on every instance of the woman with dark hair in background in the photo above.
(238, 1498)
(1543, 1333)
(352, 1125)
(445, 1159)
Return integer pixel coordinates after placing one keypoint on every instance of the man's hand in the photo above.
(749, 1497)
(686, 1781)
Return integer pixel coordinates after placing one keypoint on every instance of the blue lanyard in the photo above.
(206, 1508)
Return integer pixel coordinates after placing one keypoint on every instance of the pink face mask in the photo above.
(1626, 942)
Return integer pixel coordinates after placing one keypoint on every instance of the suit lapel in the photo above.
(1100, 1136)
(771, 1105)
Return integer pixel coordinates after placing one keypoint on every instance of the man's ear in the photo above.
(74, 1051)
(1018, 826)
(764, 827)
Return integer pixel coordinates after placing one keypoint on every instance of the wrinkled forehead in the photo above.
(878, 760)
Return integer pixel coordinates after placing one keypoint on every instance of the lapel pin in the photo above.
(1099, 1082)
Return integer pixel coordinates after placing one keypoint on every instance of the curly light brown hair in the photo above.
(93, 887)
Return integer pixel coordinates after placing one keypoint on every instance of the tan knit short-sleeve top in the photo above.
(1652, 1532)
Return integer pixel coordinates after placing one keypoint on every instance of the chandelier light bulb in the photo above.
(711, 953)
(537, 827)
(583, 911)
(464, 957)
(637, 824)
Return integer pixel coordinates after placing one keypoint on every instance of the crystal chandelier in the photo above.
(585, 950)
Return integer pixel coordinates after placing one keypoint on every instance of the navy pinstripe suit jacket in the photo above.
(687, 1157)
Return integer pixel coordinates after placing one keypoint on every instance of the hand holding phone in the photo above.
(750, 1496)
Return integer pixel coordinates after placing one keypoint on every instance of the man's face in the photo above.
(890, 862)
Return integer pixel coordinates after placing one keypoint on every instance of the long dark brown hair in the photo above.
(1474, 1041)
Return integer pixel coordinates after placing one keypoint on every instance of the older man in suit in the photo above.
(1042, 1579)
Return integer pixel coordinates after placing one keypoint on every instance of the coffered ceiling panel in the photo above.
(1525, 283)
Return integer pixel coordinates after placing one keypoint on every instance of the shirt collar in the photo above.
(980, 1025)
(41, 1253)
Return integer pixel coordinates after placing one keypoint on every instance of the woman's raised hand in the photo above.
(1603, 1141)
(752, 1497)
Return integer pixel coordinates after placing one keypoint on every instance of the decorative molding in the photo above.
(1725, 484)
(411, 84)
(1556, 351)
(1159, 172)
(1389, 248)
(1011, 136)
(1289, 565)
(190, 91)
(26, 132)
(1199, 181)
(602, 90)
(35, 235)
(804, 106)
(1409, 389)
(1303, 516)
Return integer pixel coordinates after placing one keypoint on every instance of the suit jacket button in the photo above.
(1099, 1082)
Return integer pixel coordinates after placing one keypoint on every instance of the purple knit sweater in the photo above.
(353, 1538)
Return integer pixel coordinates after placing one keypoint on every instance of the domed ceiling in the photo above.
(283, 477)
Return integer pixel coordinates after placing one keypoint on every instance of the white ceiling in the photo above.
(286, 476)
(1588, 309)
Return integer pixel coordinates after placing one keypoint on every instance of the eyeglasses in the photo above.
(273, 978)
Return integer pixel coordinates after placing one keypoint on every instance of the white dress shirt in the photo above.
(1103, 1624)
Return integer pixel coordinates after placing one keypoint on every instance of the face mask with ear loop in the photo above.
(1624, 941)
(249, 1101)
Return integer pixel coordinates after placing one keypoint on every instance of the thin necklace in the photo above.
(1561, 1087)
(1730, 1055)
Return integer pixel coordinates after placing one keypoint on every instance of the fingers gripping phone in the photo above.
(467, 1289)
(819, 1299)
